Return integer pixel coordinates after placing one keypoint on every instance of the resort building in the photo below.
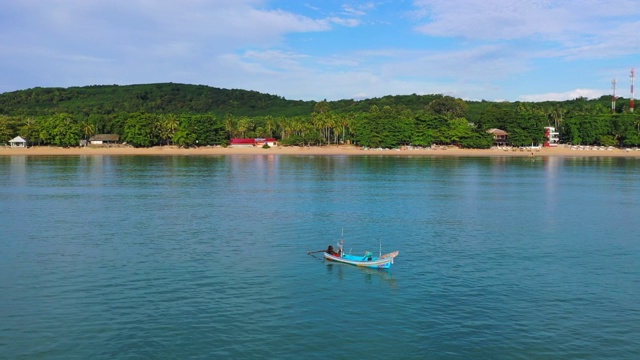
(18, 142)
(553, 137)
(251, 142)
(500, 137)
(104, 139)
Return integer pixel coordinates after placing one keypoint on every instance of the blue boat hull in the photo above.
(384, 262)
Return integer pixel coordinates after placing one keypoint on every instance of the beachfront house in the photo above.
(18, 142)
(266, 141)
(251, 142)
(104, 139)
(500, 137)
(239, 143)
(553, 137)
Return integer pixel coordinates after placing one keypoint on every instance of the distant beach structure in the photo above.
(104, 139)
(553, 137)
(500, 137)
(18, 142)
(251, 142)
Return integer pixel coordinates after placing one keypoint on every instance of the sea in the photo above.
(206, 257)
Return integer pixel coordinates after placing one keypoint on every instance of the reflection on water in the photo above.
(368, 274)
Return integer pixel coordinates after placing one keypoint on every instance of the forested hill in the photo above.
(171, 98)
(188, 115)
(162, 98)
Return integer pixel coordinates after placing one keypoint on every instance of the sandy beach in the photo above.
(323, 150)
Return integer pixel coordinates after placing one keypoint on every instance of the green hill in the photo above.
(162, 98)
(187, 115)
(170, 98)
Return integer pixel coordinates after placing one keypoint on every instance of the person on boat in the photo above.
(331, 251)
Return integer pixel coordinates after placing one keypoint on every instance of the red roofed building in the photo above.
(251, 142)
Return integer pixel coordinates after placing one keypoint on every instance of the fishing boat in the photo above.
(367, 260)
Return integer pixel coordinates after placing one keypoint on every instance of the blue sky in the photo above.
(515, 50)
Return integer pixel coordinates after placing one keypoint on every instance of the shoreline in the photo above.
(561, 151)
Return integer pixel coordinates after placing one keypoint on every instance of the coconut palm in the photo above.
(244, 125)
(88, 129)
(331, 124)
(165, 128)
(345, 122)
(270, 125)
(318, 120)
(170, 125)
(229, 125)
(286, 127)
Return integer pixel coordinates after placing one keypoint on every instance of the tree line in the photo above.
(190, 115)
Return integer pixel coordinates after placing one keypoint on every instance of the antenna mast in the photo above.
(633, 76)
(613, 97)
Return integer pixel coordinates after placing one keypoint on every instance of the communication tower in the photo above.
(613, 97)
(633, 76)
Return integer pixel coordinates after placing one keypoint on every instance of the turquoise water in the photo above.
(179, 257)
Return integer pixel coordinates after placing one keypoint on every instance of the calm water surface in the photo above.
(135, 257)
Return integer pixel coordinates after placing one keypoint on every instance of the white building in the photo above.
(553, 137)
(104, 139)
(18, 142)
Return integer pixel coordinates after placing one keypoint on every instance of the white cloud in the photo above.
(471, 49)
(344, 21)
(339, 61)
(113, 25)
(275, 59)
(490, 19)
(581, 26)
(353, 12)
(359, 9)
(136, 40)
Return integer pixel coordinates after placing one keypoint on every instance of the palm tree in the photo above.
(229, 124)
(270, 125)
(330, 126)
(88, 129)
(170, 125)
(556, 114)
(285, 126)
(245, 124)
(305, 129)
(318, 120)
(346, 123)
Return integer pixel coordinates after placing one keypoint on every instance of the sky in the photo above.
(494, 50)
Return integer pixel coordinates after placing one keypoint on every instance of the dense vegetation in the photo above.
(188, 115)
